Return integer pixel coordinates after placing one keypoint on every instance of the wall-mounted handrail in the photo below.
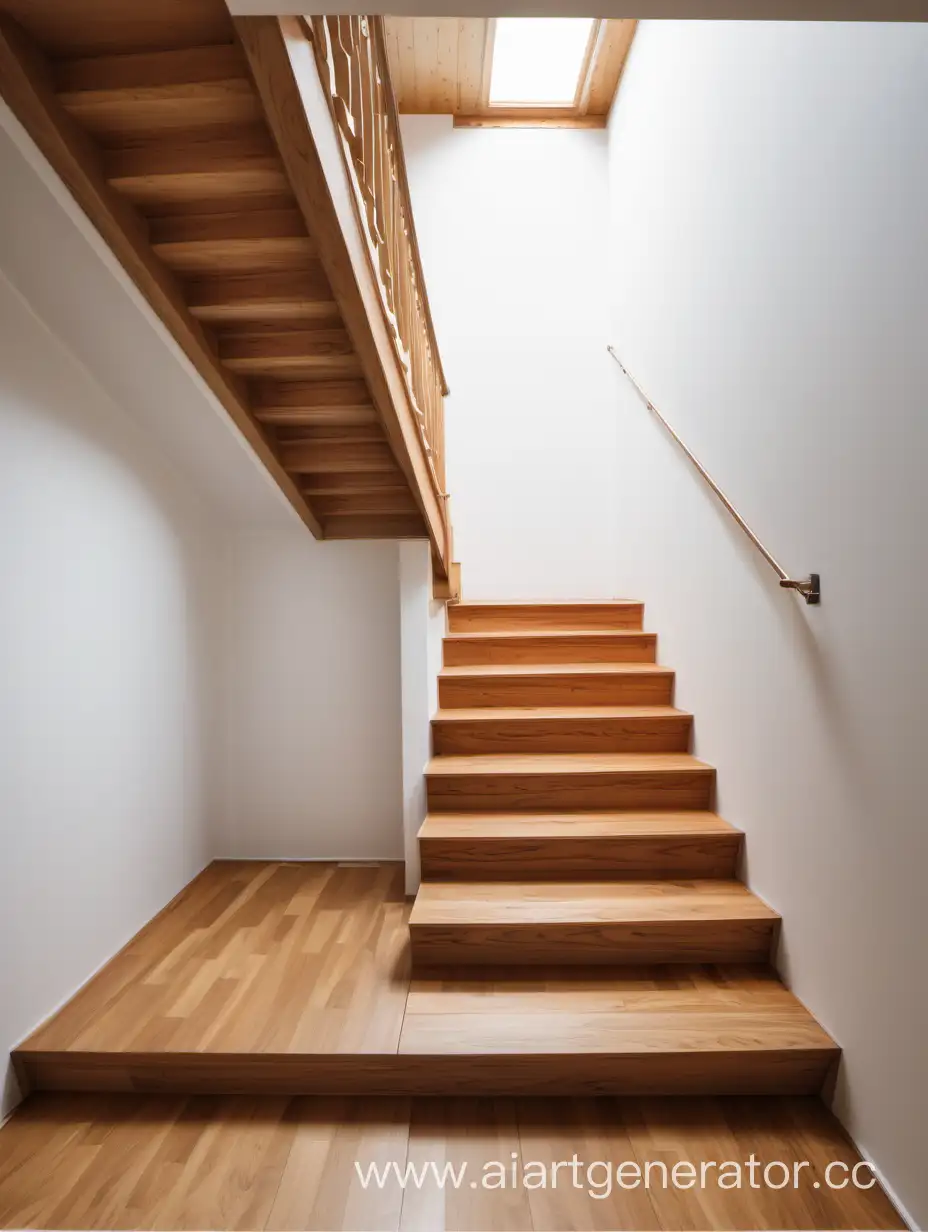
(810, 587)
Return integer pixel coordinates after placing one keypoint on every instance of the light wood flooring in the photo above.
(175, 1162)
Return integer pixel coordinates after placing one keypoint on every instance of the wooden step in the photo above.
(338, 456)
(679, 1030)
(568, 684)
(288, 297)
(375, 526)
(327, 353)
(554, 846)
(339, 403)
(562, 729)
(529, 617)
(239, 169)
(524, 782)
(345, 483)
(590, 922)
(612, 646)
(115, 97)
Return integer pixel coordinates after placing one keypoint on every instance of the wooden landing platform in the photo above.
(295, 978)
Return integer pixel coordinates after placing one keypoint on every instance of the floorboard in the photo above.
(198, 1162)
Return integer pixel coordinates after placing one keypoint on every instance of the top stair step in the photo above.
(541, 617)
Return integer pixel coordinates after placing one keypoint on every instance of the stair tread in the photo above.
(520, 635)
(561, 604)
(633, 1014)
(531, 903)
(574, 825)
(563, 763)
(555, 669)
(493, 714)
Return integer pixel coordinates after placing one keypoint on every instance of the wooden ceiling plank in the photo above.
(26, 84)
(402, 60)
(425, 56)
(445, 77)
(472, 40)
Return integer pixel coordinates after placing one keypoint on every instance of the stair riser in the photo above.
(764, 1072)
(631, 648)
(556, 859)
(645, 735)
(651, 688)
(672, 789)
(540, 618)
(654, 942)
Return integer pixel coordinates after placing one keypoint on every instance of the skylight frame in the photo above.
(538, 109)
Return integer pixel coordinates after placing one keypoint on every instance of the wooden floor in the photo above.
(130, 1161)
(296, 978)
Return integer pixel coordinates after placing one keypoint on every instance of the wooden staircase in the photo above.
(183, 135)
(571, 834)
(580, 928)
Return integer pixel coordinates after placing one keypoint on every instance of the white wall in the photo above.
(512, 226)
(422, 626)
(106, 608)
(312, 699)
(769, 288)
(186, 672)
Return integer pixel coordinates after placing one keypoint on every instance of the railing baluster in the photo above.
(351, 59)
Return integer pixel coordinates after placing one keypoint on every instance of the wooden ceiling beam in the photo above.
(27, 85)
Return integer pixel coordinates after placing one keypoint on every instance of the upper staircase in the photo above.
(223, 161)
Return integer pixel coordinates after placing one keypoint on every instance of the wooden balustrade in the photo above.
(352, 61)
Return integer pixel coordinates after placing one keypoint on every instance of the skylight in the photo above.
(537, 60)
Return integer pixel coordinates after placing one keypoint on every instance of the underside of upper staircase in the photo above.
(207, 153)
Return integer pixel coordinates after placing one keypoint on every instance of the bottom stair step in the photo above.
(675, 1030)
(684, 1030)
(590, 922)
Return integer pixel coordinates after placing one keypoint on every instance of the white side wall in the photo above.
(111, 572)
(185, 672)
(422, 627)
(769, 287)
(512, 226)
(311, 670)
